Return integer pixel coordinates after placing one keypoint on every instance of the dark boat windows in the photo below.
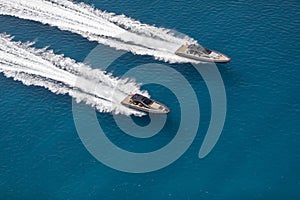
(208, 51)
(198, 50)
(137, 98)
(147, 101)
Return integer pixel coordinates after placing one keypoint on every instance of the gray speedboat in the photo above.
(197, 52)
(142, 103)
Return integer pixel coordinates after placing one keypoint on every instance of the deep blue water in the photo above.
(257, 156)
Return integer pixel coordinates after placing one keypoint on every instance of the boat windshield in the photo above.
(147, 101)
(141, 99)
(208, 51)
(196, 49)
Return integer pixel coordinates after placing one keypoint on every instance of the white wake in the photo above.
(117, 31)
(62, 75)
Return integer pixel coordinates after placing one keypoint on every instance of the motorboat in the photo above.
(144, 104)
(197, 52)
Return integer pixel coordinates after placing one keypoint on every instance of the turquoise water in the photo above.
(257, 156)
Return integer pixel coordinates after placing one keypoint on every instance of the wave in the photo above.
(62, 75)
(117, 31)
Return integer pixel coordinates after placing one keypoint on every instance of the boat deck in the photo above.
(126, 100)
(182, 49)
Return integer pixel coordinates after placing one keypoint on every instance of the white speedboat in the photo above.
(144, 104)
(197, 52)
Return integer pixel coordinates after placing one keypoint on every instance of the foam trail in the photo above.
(117, 31)
(61, 75)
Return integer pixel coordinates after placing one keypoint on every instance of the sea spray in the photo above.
(62, 75)
(117, 31)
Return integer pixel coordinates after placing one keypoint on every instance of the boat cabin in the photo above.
(138, 99)
(196, 49)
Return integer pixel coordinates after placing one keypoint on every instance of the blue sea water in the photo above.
(257, 156)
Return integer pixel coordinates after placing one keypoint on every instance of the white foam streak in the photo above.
(116, 31)
(61, 75)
